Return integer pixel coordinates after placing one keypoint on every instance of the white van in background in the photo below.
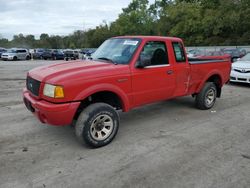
(16, 54)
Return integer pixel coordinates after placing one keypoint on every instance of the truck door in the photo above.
(156, 80)
(181, 69)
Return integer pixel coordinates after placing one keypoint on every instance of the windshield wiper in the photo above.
(107, 59)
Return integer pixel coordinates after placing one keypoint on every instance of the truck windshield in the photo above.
(116, 50)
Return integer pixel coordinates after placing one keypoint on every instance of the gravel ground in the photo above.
(167, 144)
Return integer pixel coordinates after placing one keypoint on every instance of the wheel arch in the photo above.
(106, 93)
(214, 77)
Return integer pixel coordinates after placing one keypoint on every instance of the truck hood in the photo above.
(241, 65)
(57, 73)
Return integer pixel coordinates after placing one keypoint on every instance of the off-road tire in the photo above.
(84, 125)
(207, 96)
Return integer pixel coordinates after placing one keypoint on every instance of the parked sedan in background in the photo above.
(38, 53)
(87, 52)
(16, 54)
(53, 54)
(2, 50)
(76, 53)
(241, 70)
(194, 53)
(234, 53)
(214, 55)
(242, 51)
(69, 54)
(57, 54)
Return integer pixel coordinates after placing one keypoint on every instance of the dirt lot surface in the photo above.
(167, 144)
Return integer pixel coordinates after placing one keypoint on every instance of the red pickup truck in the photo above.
(124, 73)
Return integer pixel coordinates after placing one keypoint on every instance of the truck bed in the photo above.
(201, 67)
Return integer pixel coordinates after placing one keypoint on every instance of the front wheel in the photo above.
(207, 96)
(97, 125)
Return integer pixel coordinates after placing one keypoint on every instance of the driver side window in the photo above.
(155, 53)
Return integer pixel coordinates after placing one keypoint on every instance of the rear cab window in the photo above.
(179, 52)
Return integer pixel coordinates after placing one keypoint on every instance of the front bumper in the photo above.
(239, 77)
(50, 113)
(6, 57)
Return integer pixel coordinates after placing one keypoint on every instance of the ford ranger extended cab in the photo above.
(124, 73)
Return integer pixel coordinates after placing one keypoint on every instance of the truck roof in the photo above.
(150, 37)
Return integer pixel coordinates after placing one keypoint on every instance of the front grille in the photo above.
(33, 85)
(242, 79)
(242, 70)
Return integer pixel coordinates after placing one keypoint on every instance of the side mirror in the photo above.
(143, 61)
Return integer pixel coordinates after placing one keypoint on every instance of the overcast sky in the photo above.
(55, 17)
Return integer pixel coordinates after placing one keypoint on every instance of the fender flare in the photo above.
(212, 73)
(105, 87)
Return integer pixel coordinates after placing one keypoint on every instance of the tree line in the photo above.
(197, 22)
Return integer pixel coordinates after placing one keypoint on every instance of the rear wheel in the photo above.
(207, 97)
(97, 125)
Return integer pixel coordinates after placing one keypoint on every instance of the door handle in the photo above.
(170, 72)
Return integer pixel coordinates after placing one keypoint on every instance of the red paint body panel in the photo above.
(54, 114)
(134, 86)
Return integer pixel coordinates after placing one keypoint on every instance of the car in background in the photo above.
(214, 55)
(16, 54)
(54, 54)
(243, 51)
(38, 53)
(57, 54)
(87, 53)
(82, 54)
(194, 53)
(69, 55)
(47, 54)
(233, 52)
(76, 53)
(2, 50)
(240, 71)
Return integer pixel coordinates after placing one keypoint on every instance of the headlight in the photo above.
(53, 91)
